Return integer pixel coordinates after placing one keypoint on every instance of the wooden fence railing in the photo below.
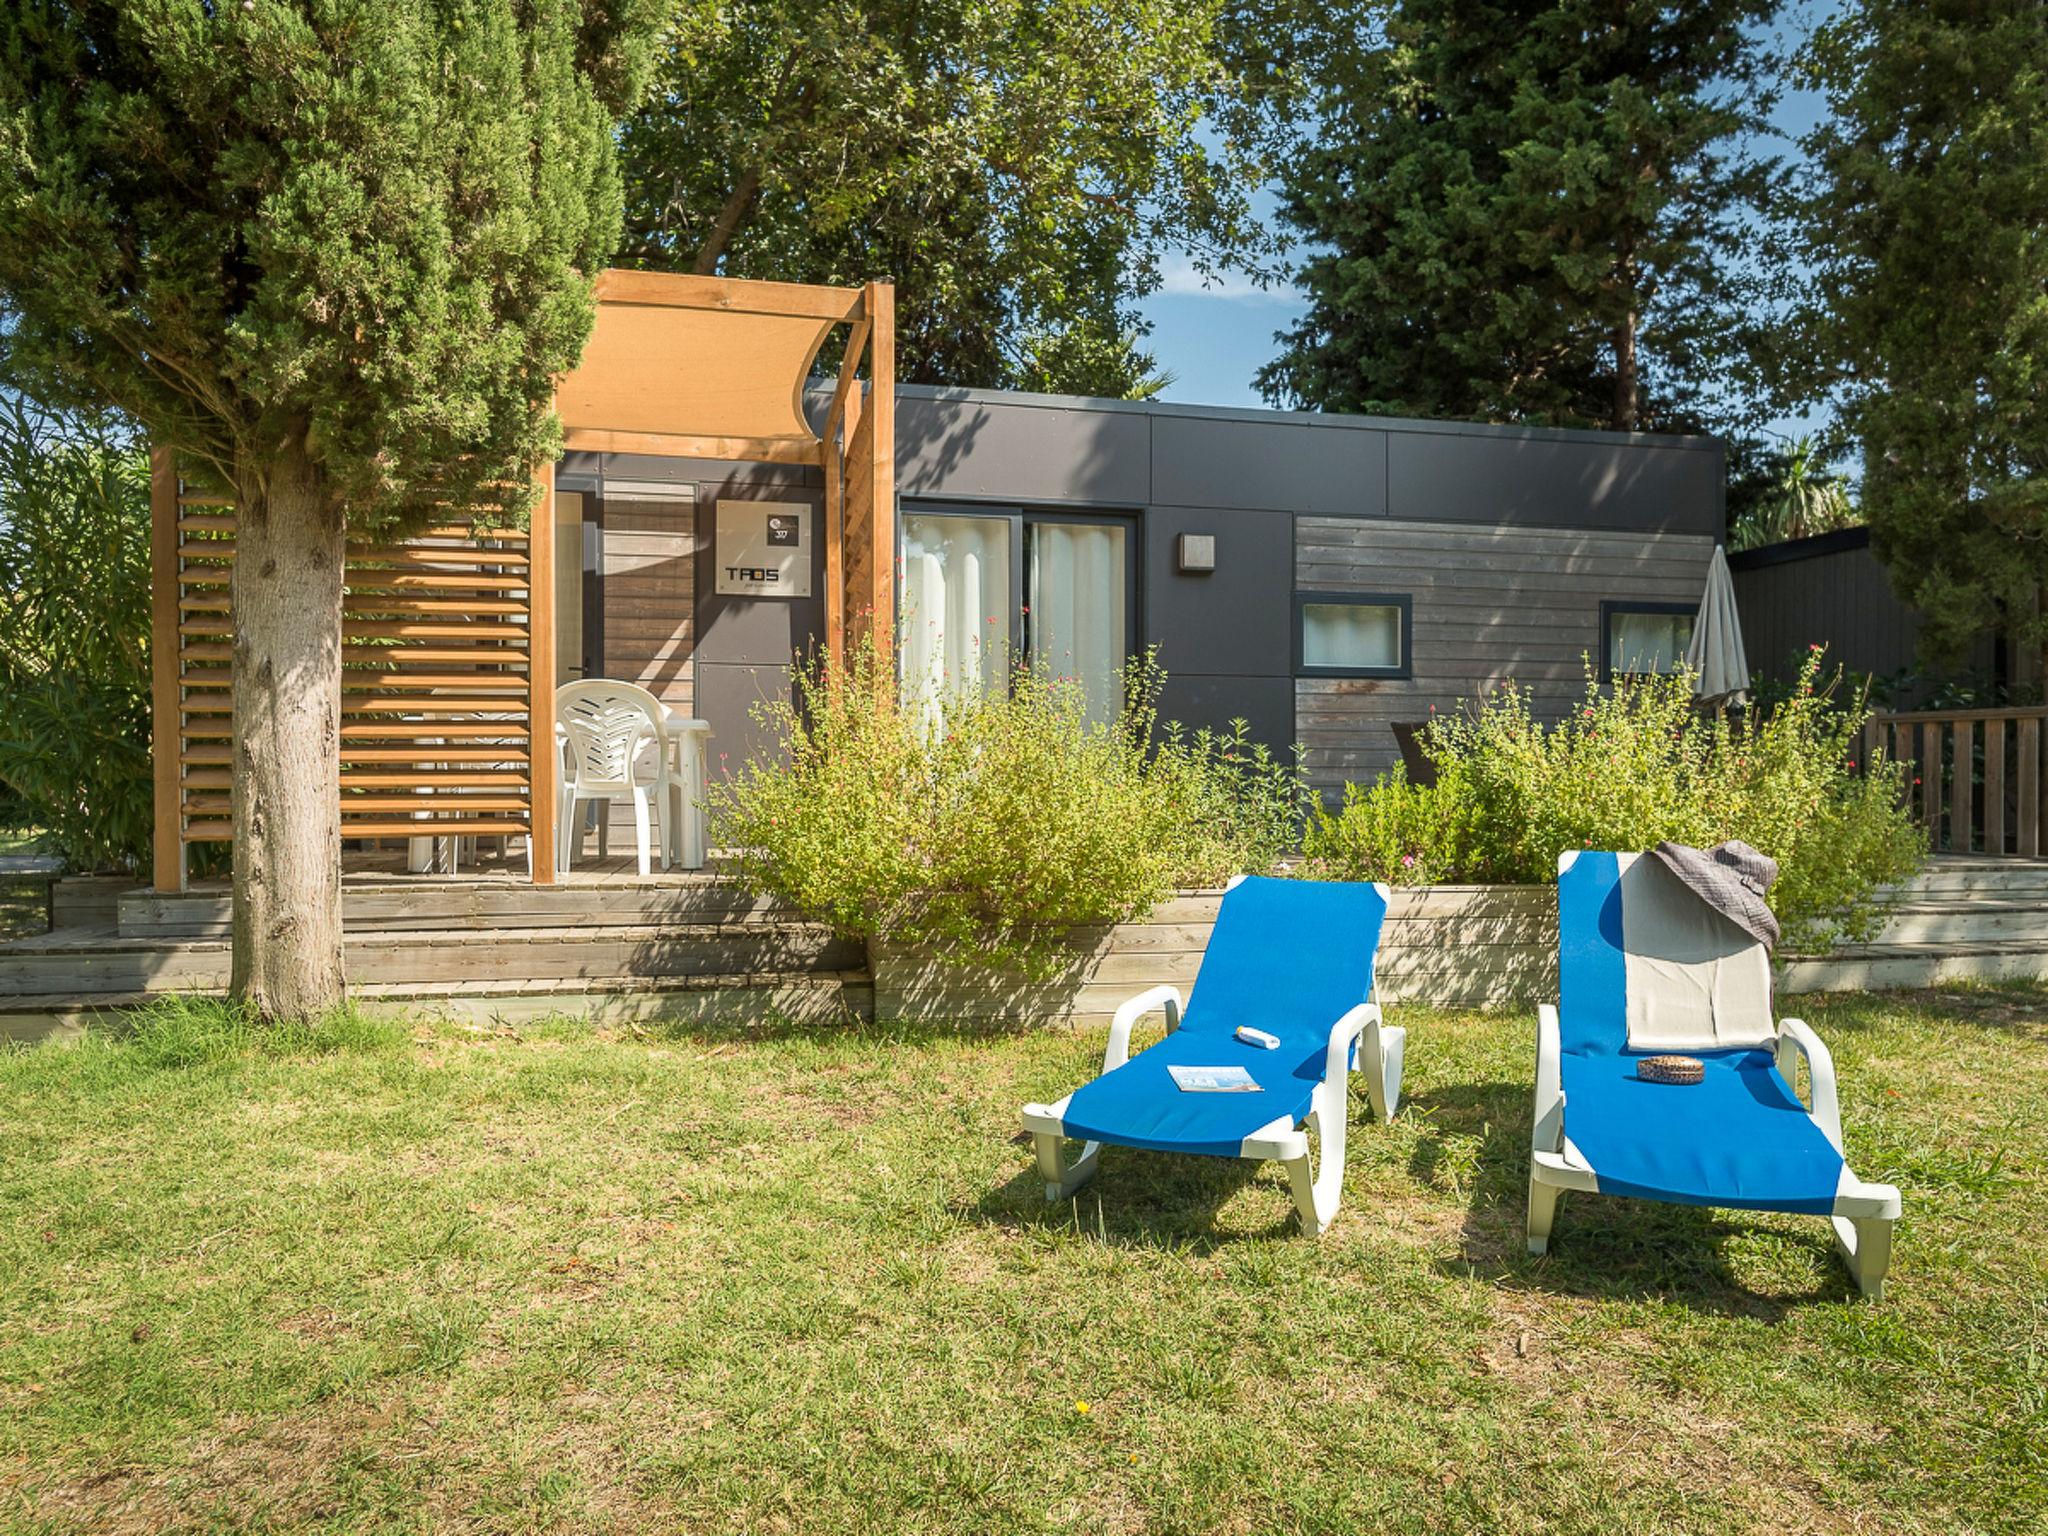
(438, 690)
(1976, 776)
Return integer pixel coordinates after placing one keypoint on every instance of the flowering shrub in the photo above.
(1629, 767)
(1016, 818)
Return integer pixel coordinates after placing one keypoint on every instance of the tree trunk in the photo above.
(289, 555)
(727, 224)
(1625, 374)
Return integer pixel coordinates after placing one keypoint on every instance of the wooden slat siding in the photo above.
(650, 593)
(1490, 606)
(408, 654)
(1994, 786)
(2028, 784)
(167, 852)
(1962, 785)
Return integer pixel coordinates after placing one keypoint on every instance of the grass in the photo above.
(421, 1277)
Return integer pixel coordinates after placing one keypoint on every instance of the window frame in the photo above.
(1404, 602)
(1021, 516)
(1610, 608)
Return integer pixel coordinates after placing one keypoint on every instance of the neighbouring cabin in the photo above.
(1832, 590)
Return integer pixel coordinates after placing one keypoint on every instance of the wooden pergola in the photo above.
(448, 648)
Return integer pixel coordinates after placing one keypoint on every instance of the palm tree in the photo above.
(1805, 501)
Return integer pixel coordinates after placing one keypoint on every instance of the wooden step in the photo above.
(806, 998)
(98, 960)
(473, 905)
(1876, 967)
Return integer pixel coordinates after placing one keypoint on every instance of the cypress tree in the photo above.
(331, 252)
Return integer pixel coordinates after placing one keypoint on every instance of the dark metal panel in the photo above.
(1234, 620)
(976, 447)
(1335, 469)
(1514, 479)
(1265, 704)
(727, 696)
(759, 630)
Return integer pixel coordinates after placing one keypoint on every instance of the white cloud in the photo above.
(1179, 276)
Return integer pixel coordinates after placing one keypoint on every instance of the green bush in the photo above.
(1633, 765)
(1015, 819)
(74, 634)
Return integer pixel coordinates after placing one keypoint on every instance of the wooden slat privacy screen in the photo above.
(438, 638)
(448, 659)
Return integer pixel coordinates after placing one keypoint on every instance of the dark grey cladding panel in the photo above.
(769, 630)
(1506, 478)
(1029, 453)
(1265, 704)
(1235, 619)
(1284, 464)
(726, 695)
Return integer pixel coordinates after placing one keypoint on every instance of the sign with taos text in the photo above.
(763, 548)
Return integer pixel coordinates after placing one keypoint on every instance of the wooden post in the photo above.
(1930, 782)
(166, 718)
(2029, 784)
(542, 761)
(881, 598)
(1963, 788)
(1994, 787)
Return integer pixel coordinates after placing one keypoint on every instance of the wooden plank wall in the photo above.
(1491, 605)
(1443, 946)
(650, 592)
(435, 729)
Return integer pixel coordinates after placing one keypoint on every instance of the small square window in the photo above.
(1352, 634)
(1643, 638)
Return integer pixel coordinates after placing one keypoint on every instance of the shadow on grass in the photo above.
(1601, 1247)
(1136, 1199)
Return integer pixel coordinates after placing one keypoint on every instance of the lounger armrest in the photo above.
(1119, 1049)
(1342, 1035)
(1546, 1131)
(1795, 1035)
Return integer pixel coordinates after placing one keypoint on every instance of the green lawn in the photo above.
(425, 1277)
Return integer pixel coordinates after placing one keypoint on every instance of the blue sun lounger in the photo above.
(1293, 958)
(1646, 967)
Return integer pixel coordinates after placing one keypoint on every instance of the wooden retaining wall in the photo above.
(1448, 946)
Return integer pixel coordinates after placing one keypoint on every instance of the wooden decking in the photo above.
(604, 941)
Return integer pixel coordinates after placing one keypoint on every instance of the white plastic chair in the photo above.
(614, 751)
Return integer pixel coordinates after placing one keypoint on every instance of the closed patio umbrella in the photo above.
(1715, 655)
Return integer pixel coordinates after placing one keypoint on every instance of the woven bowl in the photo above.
(1671, 1069)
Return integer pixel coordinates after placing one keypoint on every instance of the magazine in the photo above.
(1213, 1080)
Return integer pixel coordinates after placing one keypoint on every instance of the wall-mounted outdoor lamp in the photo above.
(1197, 554)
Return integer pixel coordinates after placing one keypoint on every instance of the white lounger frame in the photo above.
(1864, 1214)
(1316, 1194)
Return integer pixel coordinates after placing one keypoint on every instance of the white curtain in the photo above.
(1077, 621)
(956, 607)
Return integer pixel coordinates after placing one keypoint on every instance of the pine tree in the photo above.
(1927, 228)
(331, 253)
(1528, 210)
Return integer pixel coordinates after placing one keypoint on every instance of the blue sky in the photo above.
(1214, 338)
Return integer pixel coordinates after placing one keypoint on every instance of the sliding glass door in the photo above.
(984, 586)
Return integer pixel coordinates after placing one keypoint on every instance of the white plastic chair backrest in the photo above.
(607, 724)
